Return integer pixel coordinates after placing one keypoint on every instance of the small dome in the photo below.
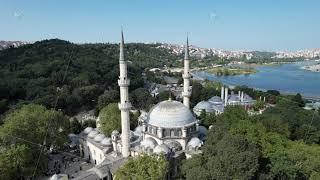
(138, 131)
(215, 100)
(88, 130)
(93, 134)
(203, 105)
(143, 116)
(218, 108)
(149, 143)
(106, 141)
(115, 132)
(162, 148)
(99, 137)
(169, 114)
(195, 142)
(247, 98)
(174, 145)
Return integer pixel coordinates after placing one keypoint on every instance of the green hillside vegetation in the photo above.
(35, 72)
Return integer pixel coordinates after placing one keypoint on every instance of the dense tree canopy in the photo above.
(279, 144)
(110, 119)
(22, 134)
(35, 72)
(141, 98)
(144, 167)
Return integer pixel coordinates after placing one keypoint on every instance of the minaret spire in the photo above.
(186, 49)
(124, 104)
(121, 58)
(186, 76)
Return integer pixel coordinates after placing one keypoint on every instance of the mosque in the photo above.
(217, 104)
(169, 128)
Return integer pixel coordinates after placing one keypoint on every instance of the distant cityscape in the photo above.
(205, 52)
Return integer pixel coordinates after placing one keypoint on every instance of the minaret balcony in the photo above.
(186, 76)
(124, 82)
(125, 106)
(186, 94)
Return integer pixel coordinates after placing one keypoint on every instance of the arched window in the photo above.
(172, 132)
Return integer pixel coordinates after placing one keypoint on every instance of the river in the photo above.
(286, 78)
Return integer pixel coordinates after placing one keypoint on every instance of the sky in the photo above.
(270, 25)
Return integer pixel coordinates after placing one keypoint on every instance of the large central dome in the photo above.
(170, 114)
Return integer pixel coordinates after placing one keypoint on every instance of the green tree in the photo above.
(75, 126)
(298, 99)
(16, 162)
(225, 156)
(196, 95)
(89, 123)
(109, 96)
(258, 105)
(209, 119)
(3, 105)
(141, 99)
(232, 114)
(134, 119)
(31, 123)
(144, 167)
(110, 118)
(164, 95)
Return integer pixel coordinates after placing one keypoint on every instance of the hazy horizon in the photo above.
(231, 25)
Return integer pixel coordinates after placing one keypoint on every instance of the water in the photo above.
(286, 78)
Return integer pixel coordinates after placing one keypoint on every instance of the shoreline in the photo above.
(228, 71)
(312, 68)
(304, 96)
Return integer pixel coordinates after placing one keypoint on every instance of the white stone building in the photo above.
(170, 128)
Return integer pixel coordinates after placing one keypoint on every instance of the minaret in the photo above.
(186, 77)
(124, 104)
(226, 96)
(222, 93)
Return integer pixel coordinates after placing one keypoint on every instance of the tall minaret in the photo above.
(124, 104)
(186, 77)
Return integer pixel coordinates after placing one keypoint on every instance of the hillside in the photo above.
(34, 72)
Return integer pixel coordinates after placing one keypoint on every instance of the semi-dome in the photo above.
(106, 141)
(93, 134)
(203, 105)
(247, 98)
(99, 137)
(215, 100)
(115, 132)
(149, 143)
(169, 114)
(87, 130)
(194, 143)
(162, 148)
(138, 131)
(174, 145)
